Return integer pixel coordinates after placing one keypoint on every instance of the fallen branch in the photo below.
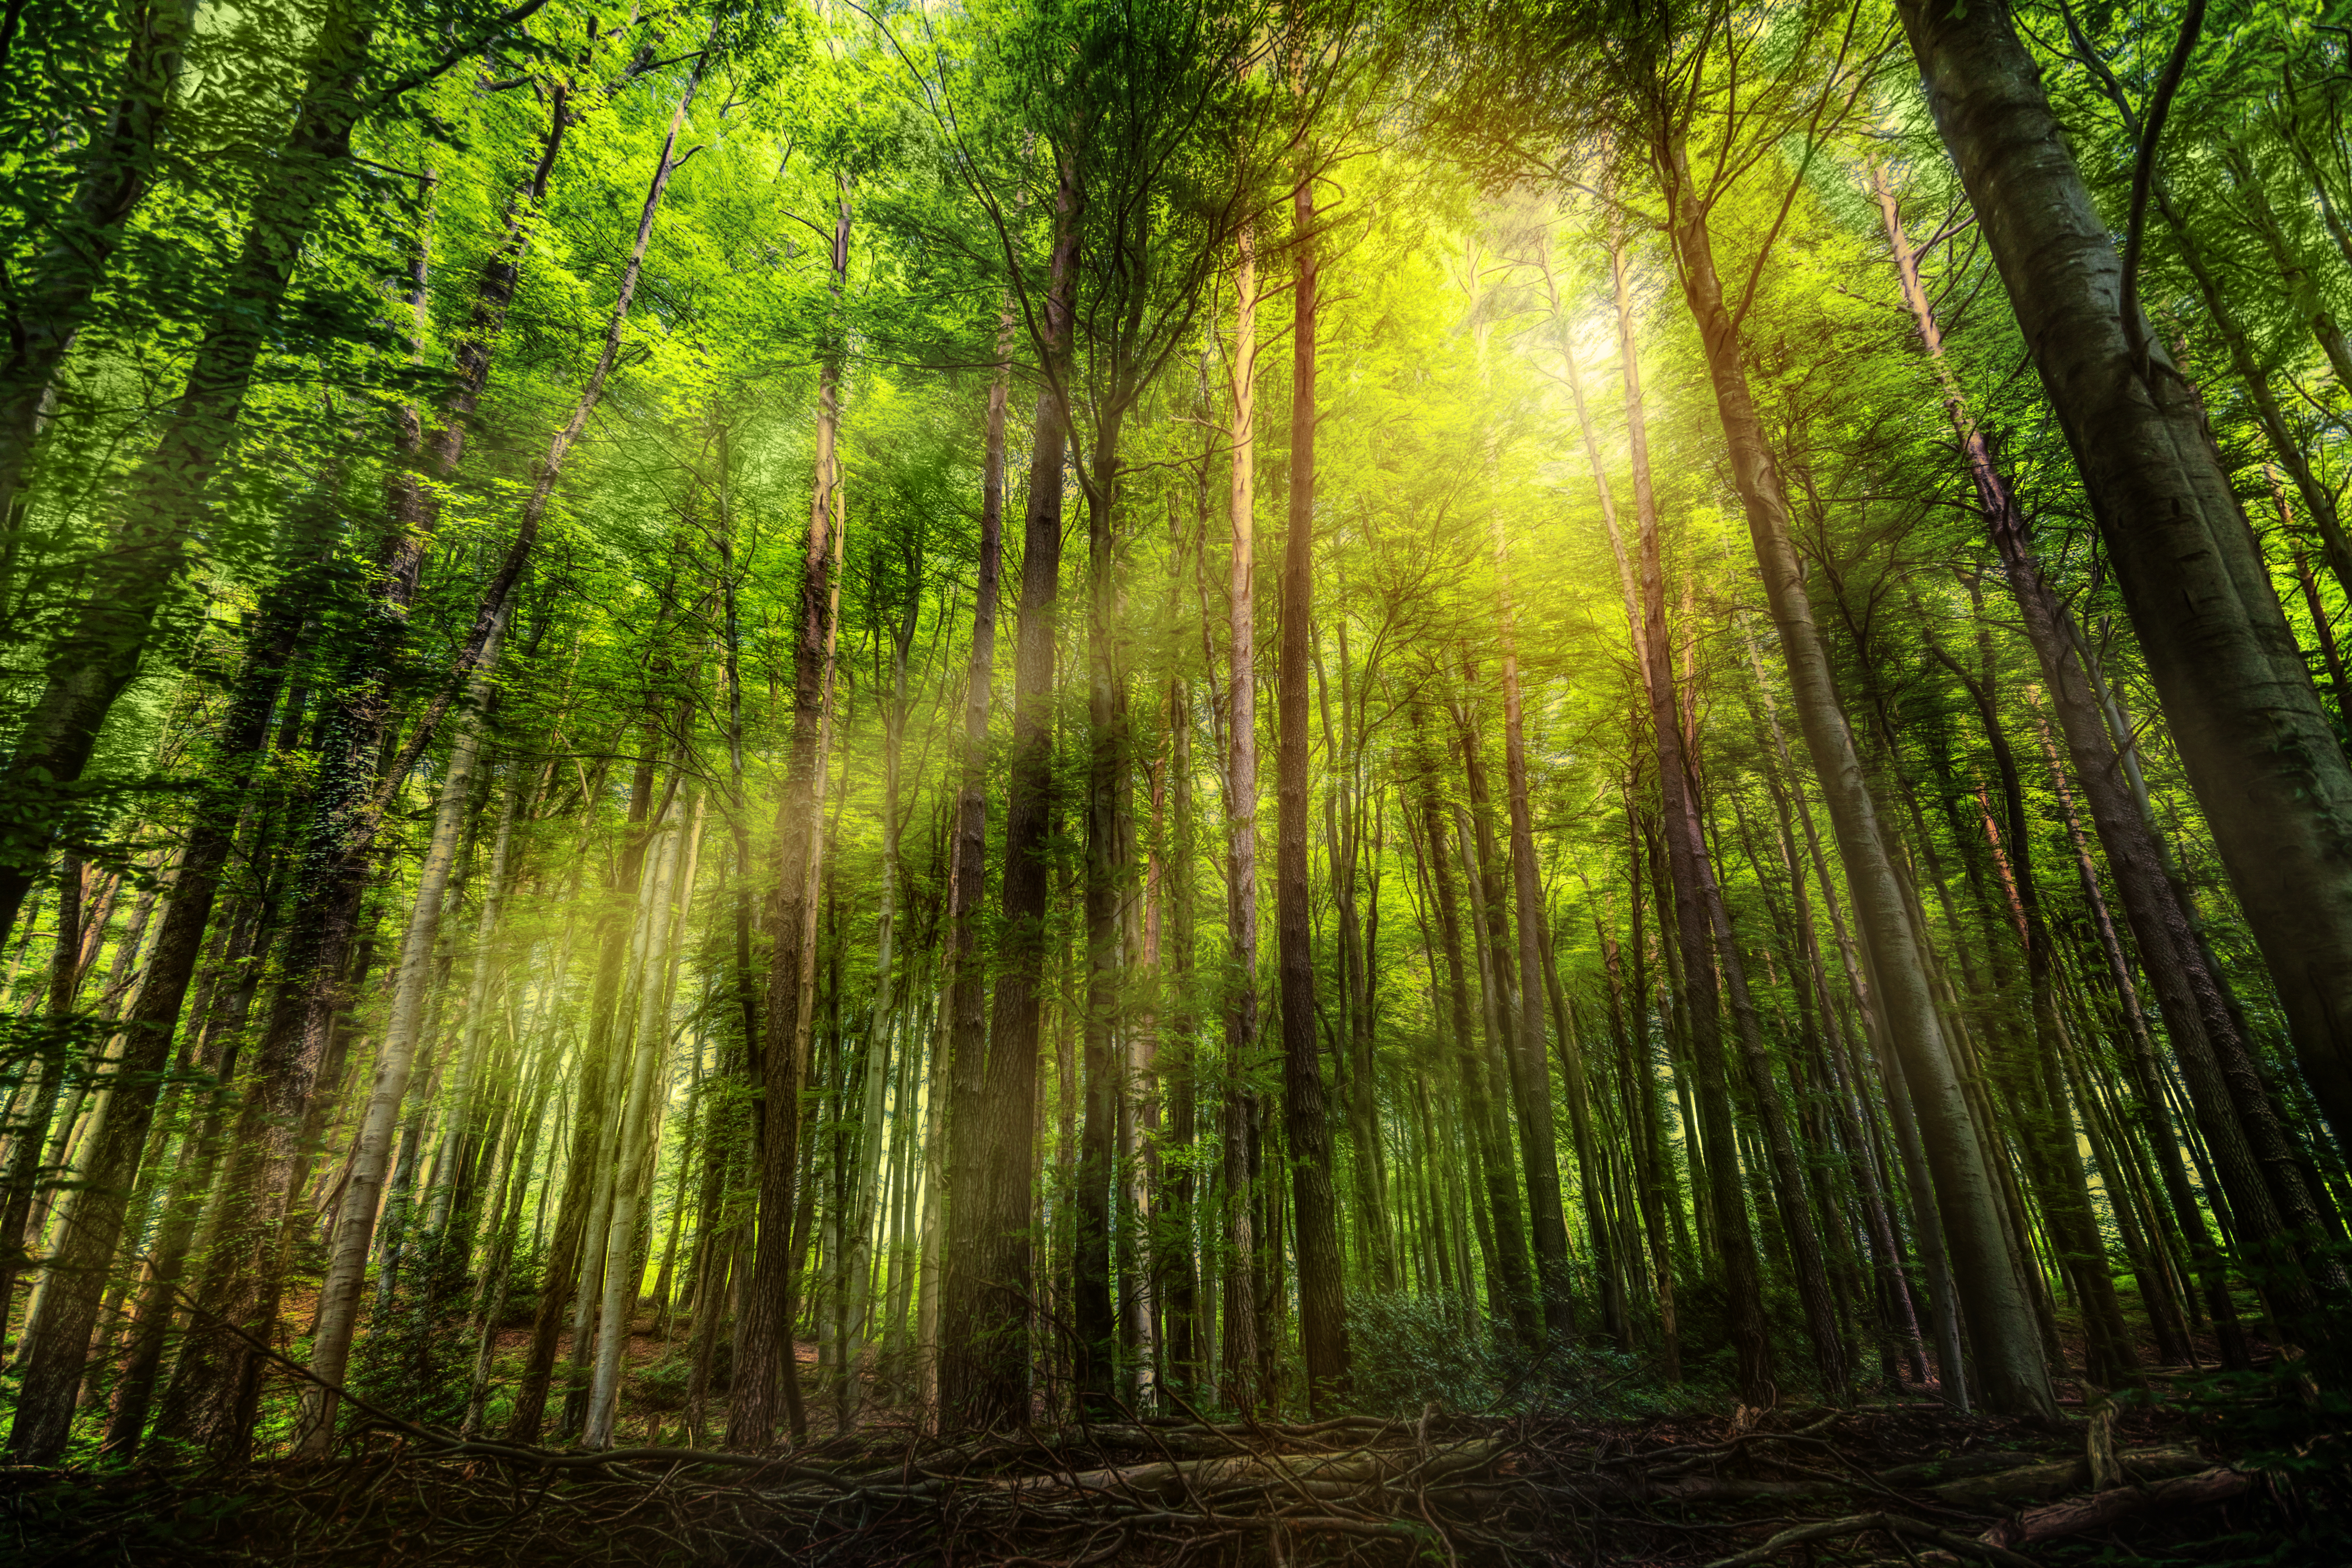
(1935, 1472)
(1891, 1524)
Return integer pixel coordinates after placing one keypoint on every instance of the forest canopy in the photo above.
(760, 724)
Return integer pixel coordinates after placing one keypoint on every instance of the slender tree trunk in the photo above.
(767, 1381)
(1323, 1309)
(31, 1128)
(1108, 859)
(855, 1272)
(1661, 1204)
(959, 1070)
(661, 913)
(1242, 1112)
(1688, 874)
(1531, 1070)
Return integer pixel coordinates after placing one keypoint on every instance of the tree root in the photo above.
(1147, 1493)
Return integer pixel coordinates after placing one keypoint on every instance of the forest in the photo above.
(1169, 780)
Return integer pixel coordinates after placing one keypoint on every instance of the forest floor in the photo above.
(2206, 1469)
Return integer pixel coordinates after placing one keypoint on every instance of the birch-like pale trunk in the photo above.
(854, 1270)
(355, 1219)
(1242, 1113)
(659, 917)
(461, 1125)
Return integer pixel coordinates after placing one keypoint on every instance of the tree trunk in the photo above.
(767, 1379)
(984, 1336)
(961, 1070)
(1531, 1069)
(1108, 860)
(1323, 1309)
(1242, 1113)
(31, 1128)
(2259, 752)
(855, 1272)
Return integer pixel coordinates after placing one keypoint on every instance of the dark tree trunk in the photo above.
(766, 1390)
(1306, 1127)
(984, 1308)
(962, 1169)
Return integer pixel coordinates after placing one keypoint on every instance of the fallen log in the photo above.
(2077, 1516)
(1352, 1467)
(1178, 1442)
(2055, 1478)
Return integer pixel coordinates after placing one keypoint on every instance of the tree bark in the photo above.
(955, 1157)
(1242, 1113)
(767, 1379)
